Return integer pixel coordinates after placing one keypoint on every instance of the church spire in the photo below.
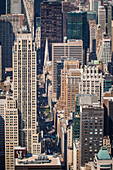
(46, 57)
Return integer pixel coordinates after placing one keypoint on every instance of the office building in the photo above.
(37, 11)
(72, 50)
(105, 50)
(108, 116)
(2, 131)
(91, 131)
(91, 15)
(92, 81)
(2, 7)
(102, 160)
(15, 6)
(51, 17)
(11, 132)
(91, 5)
(66, 7)
(108, 9)
(92, 30)
(76, 154)
(77, 29)
(98, 39)
(9, 27)
(0, 62)
(106, 143)
(39, 162)
(102, 18)
(24, 78)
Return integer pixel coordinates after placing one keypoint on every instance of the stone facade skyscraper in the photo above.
(24, 77)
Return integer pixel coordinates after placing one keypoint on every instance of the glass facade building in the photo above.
(77, 28)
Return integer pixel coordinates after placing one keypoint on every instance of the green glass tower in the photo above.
(77, 28)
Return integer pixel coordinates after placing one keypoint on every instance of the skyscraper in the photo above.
(105, 50)
(73, 50)
(15, 6)
(2, 7)
(9, 26)
(66, 7)
(24, 77)
(51, 25)
(102, 18)
(91, 131)
(77, 28)
(11, 131)
(2, 131)
(92, 30)
(0, 62)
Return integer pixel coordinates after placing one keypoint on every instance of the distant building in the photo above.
(92, 30)
(101, 161)
(0, 62)
(66, 7)
(106, 143)
(40, 162)
(2, 7)
(2, 131)
(15, 6)
(102, 18)
(105, 50)
(108, 114)
(76, 154)
(91, 81)
(77, 28)
(51, 17)
(91, 131)
(9, 27)
(72, 50)
(11, 132)
(24, 80)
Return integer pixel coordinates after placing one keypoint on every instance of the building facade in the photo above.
(9, 27)
(72, 50)
(51, 17)
(15, 6)
(77, 29)
(24, 77)
(91, 131)
(11, 132)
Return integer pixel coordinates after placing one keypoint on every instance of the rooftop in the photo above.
(103, 154)
(48, 160)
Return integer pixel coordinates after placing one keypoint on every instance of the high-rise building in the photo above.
(0, 62)
(24, 77)
(108, 115)
(9, 27)
(105, 50)
(77, 29)
(72, 50)
(92, 30)
(66, 7)
(76, 154)
(108, 9)
(15, 6)
(11, 131)
(2, 7)
(92, 81)
(91, 5)
(102, 18)
(98, 39)
(8, 6)
(51, 25)
(91, 131)
(37, 11)
(2, 131)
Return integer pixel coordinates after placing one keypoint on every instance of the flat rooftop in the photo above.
(39, 160)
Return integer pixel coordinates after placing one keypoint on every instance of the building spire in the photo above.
(46, 57)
